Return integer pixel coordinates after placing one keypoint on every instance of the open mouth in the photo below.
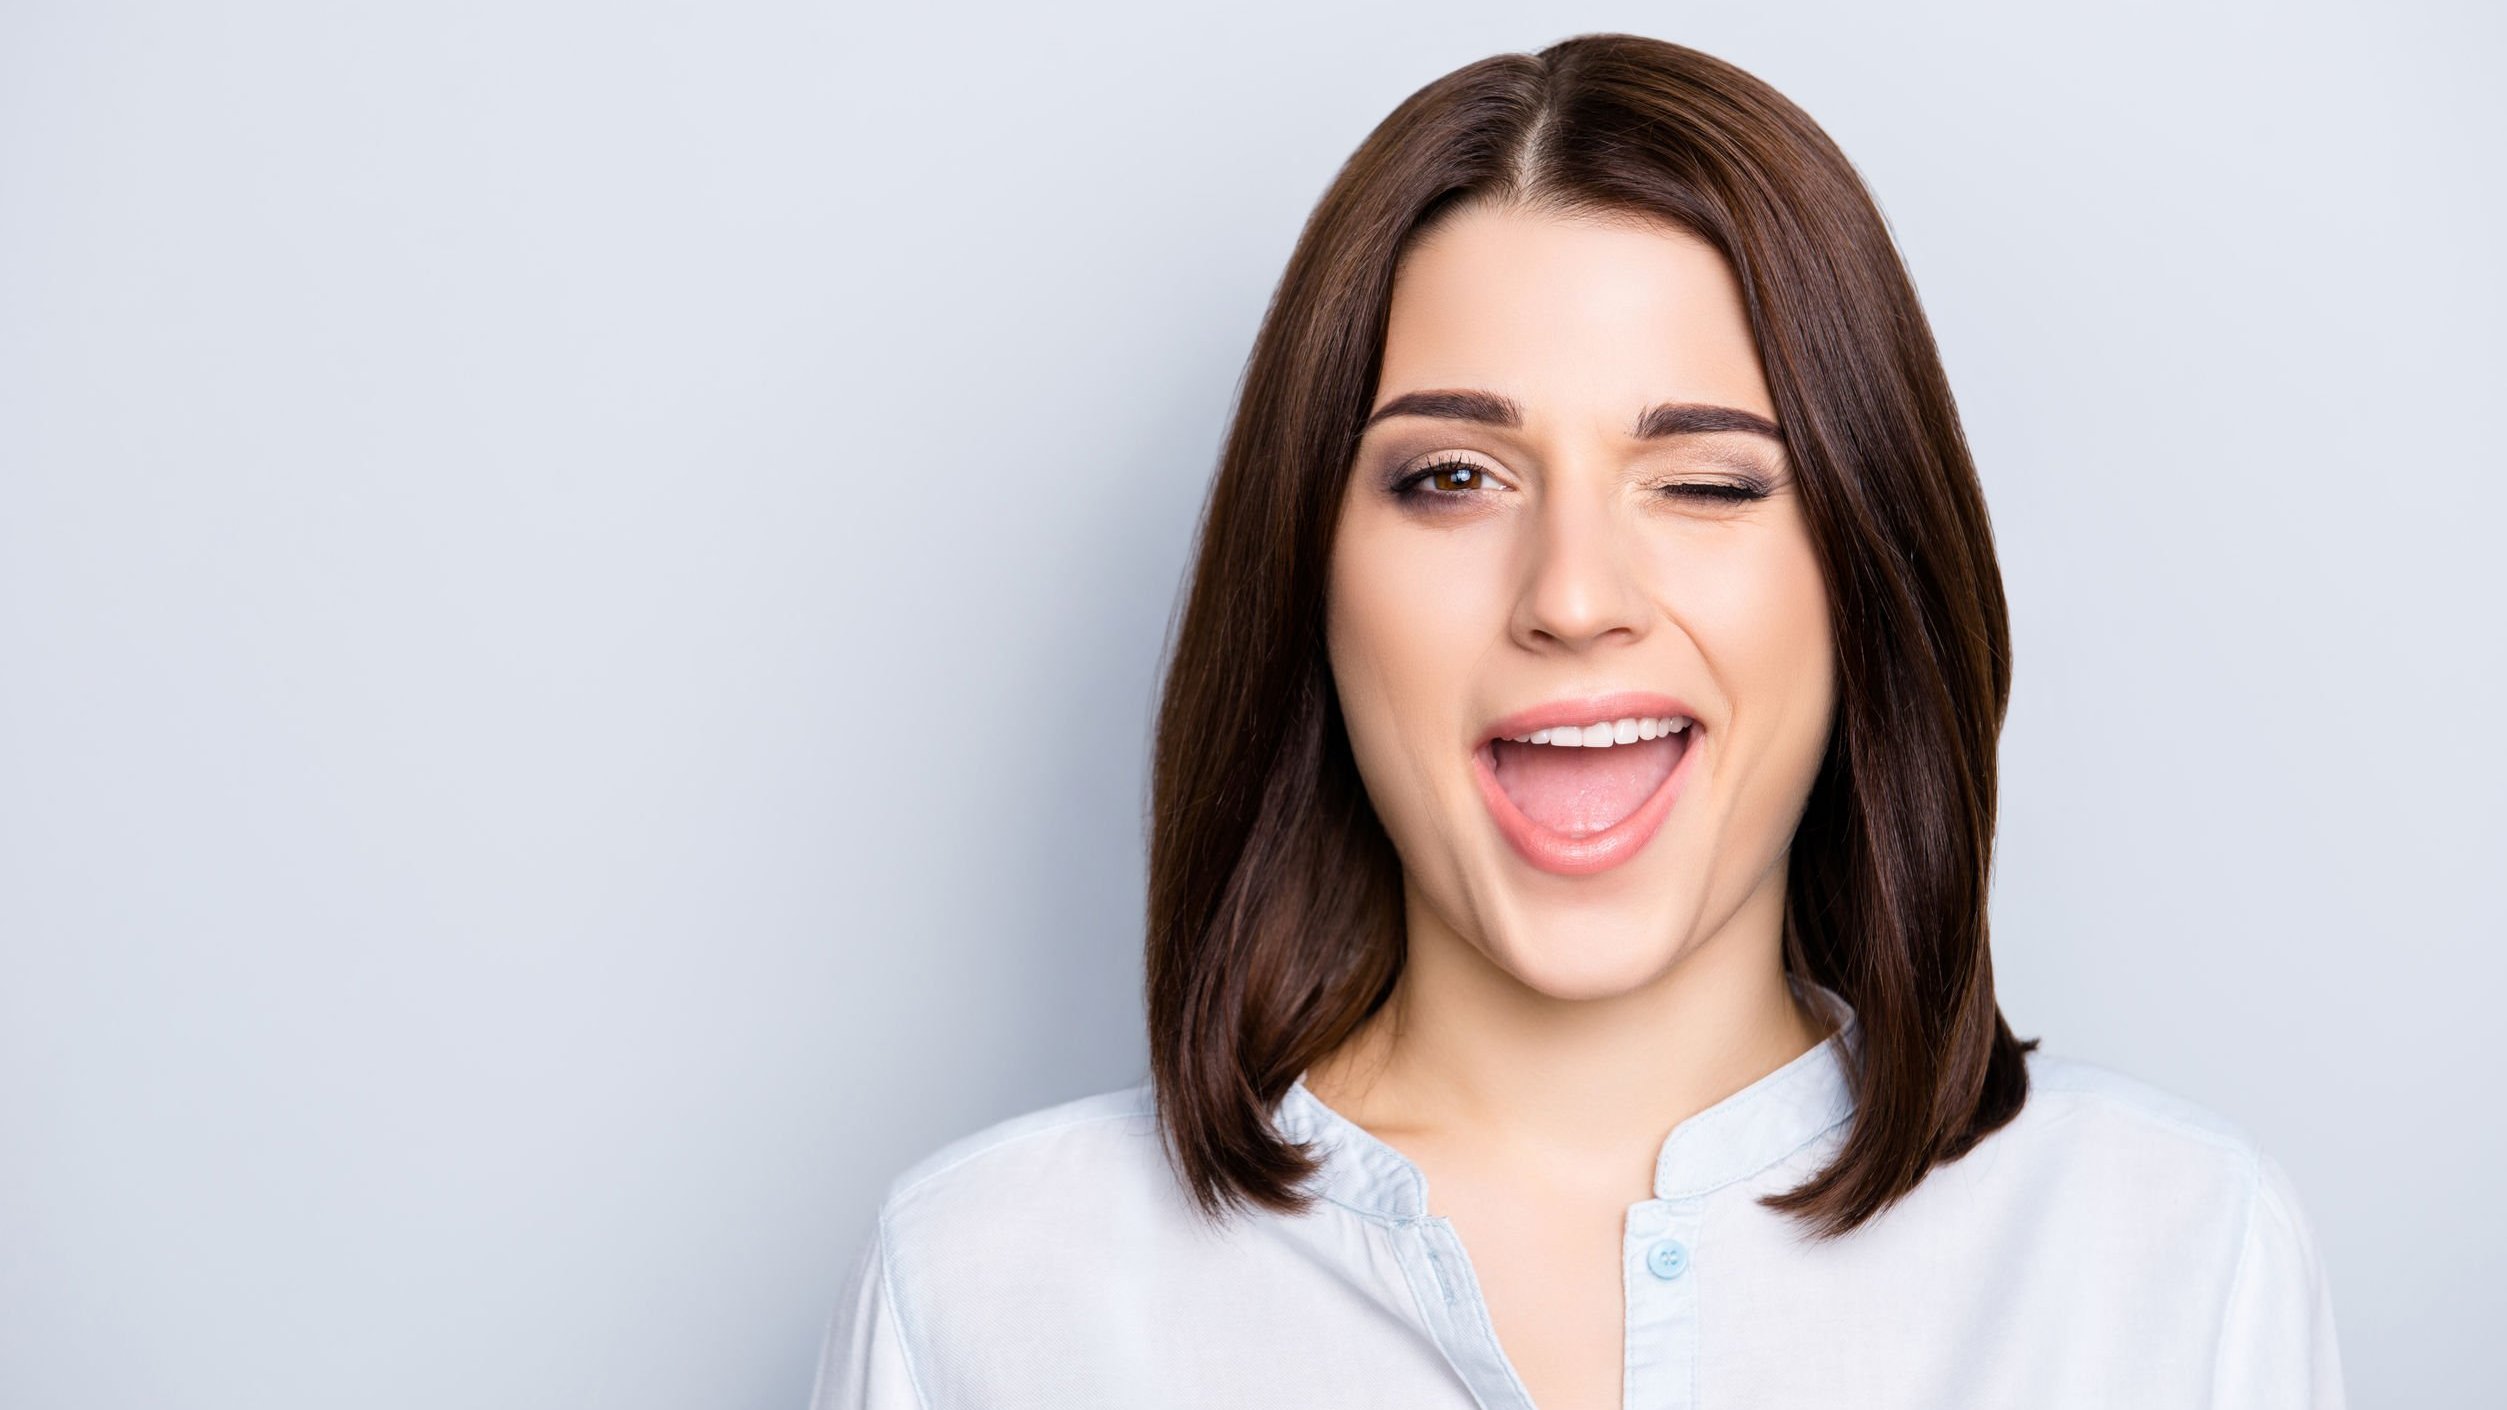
(1578, 799)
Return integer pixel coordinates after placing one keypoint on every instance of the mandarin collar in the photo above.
(1734, 1139)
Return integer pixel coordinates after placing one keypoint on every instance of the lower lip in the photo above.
(1581, 856)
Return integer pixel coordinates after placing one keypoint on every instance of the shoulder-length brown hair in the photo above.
(1274, 896)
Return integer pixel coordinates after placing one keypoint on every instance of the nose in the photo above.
(1578, 588)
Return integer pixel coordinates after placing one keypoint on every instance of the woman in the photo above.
(1574, 795)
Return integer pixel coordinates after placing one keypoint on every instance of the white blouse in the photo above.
(2111, 1246)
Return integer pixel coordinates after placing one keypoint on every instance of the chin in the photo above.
(1587, 961)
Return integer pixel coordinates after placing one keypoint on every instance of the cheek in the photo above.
(1407, 622)
(1403, 623)
(1782, 625)
(1756, 606)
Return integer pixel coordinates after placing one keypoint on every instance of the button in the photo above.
(1667, 1259)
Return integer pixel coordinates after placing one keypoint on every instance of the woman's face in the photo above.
(1563, 558)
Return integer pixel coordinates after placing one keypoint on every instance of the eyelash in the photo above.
(1407, 490)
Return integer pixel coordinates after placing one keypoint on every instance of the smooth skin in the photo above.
(1549, 1031)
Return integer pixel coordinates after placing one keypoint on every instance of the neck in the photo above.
(1464, 1056)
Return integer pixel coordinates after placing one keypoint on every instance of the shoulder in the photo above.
(980, 1244)
(2108, 1160)
(2190, 1197)
(1090, 1137)
(1064, 1211)
(1092, 1169)
(2111, 1192)
(2113, 1150)
(2160, 1130)
(2064, 1089)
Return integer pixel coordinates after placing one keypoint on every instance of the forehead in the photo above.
(1575, 317)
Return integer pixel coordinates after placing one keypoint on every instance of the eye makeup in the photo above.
(1443, 482)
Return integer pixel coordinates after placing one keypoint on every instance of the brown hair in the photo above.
(1274, 896)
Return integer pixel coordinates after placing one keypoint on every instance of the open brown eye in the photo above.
(1448, 478)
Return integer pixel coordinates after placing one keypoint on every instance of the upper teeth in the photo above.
(1605, 734)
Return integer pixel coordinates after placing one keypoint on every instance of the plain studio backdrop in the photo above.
(581, 589)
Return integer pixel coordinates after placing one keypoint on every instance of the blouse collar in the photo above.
(1734, 1139)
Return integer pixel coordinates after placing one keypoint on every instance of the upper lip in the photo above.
(1587, 710)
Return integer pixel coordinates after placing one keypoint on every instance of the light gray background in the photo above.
(580, 588)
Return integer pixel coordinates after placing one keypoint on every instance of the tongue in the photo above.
(1582, 791)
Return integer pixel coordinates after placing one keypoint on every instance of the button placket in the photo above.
(1447, 1292)
(1659, 1272)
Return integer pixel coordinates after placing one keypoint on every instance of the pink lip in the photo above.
(1591, 710)
(1583, 856)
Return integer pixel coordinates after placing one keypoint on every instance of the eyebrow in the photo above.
(1677, 418)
